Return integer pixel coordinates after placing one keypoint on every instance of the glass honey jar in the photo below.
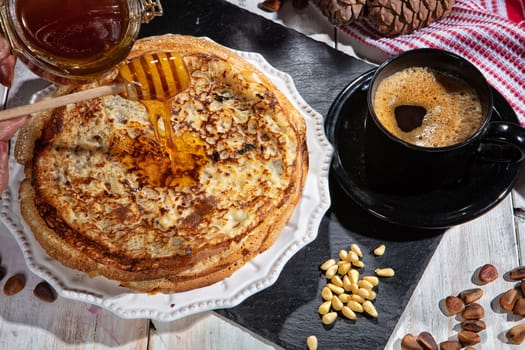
(67, 41)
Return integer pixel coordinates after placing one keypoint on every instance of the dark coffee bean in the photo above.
(14, 284)
(45, 292)
(409, 117)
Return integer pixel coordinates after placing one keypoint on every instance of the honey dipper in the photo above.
(155, 76)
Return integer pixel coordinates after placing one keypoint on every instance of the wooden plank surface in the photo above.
(29, 323)
(462, 251)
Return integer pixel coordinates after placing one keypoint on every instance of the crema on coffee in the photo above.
(452, 108)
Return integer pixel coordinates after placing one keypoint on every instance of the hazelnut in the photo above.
(427, 340)
(14, 284)
(450, 345)
(516, 334)
(508, 299)
(409, 342)
(473, 325)
(45, 292)
(471, 295)
(488, 273)
(517, 274)
(473, 311)
(454, 305)
(519, 307)
(467, 338)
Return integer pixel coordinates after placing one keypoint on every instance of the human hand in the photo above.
(7, 129)
(7, 62)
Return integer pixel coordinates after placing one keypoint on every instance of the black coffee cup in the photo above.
(394, 165)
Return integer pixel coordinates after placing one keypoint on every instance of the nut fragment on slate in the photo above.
(471, 295)
(473, 311)
(517, 274)
(380, 250)
(409, 342)
(45, 292)
(450, 345)
(467, 338)
(311, 342)
(473, 325)
(508, 299)
(427, 340)
(454, 305)
(14, 284)
(516, 335)
(488, 273)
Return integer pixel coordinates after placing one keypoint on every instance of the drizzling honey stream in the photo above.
(158, 77)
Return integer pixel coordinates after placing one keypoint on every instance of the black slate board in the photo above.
(286, 313)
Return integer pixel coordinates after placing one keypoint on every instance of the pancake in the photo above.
(104, 195)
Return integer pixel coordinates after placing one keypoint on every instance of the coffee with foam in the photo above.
(453, 108)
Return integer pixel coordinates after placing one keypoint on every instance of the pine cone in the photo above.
(341, 12)
(397, 17)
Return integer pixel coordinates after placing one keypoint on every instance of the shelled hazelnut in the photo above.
(488, 273)
(516, 335)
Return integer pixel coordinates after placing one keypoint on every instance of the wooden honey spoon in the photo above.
(155, 76)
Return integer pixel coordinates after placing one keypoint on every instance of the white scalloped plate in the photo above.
(258, 274)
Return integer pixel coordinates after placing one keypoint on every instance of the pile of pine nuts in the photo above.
(347, 292)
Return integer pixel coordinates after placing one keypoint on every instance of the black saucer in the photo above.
(486, 186)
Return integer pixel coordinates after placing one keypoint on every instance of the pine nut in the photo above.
(326, 293)
(363, 292)
(372, 279)
(335, 289)
(337, 304)
(336, 280)
(355, 248)
(344, 297)
(327, 264)
(348, 313)
(358, 263)
(346, 283)
(370, 308)
(329, 318)
(343, 255)
(352, 256)
(380, 250)
(355, 306)
(354, 288)
(344, 268)
(365, 284)
(357, 298)
(354, 275)
(311, 342)
(371, 295)
(331, 271)
(324, 308)
(385, 272)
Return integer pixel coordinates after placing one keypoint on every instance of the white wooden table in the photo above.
(497, 237)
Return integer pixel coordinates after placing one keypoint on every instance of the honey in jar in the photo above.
(72, 40)
(73, 29)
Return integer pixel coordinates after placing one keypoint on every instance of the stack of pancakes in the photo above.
(103, 196)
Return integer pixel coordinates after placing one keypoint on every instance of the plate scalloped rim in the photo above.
(256, 275)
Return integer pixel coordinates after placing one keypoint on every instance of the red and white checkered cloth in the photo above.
(489, 33)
